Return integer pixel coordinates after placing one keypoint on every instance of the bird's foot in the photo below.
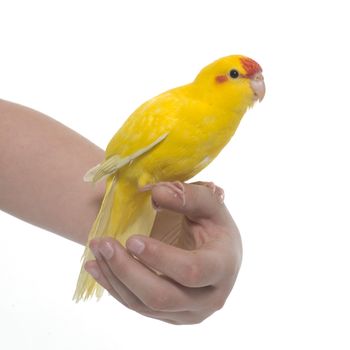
(218, 191)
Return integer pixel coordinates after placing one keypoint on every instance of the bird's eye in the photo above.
(234, 74)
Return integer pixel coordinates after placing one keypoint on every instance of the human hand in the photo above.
(185, 272)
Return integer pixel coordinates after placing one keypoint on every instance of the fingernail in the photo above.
(95, 251)
(93, 272)
(106, 250)
(135, 246)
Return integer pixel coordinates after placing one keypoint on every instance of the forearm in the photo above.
(42, 164)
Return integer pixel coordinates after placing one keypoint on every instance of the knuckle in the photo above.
(192, 274)
(121, 266)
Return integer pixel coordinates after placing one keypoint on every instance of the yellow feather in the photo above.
(197, 120)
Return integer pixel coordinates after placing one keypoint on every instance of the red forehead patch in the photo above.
(250, 66)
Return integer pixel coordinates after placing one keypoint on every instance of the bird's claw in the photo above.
(218, 191)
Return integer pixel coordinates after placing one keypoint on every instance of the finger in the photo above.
(130, 301)
(155, 292)
(190, 268)
(101, 272)
(126, 298)
(112, 284)
(93, 268)
(196, 202)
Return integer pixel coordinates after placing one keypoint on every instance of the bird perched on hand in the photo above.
(169, 138)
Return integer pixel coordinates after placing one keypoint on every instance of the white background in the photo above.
(89, 64)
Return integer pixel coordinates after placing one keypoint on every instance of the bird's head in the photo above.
(235, 81)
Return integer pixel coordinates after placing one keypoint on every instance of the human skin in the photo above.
(182, 274)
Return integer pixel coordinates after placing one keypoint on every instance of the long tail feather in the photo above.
(124, 211)
(86, 285)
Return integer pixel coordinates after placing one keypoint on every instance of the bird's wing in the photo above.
(148, 123)
(147, 127)
(113, 163)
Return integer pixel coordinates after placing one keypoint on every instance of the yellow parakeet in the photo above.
(169, 138)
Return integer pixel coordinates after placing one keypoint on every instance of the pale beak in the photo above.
(258, 85)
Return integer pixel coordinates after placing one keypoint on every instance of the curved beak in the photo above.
(258, 86)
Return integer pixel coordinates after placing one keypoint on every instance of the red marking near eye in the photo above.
(221, 78)
(250, 66)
